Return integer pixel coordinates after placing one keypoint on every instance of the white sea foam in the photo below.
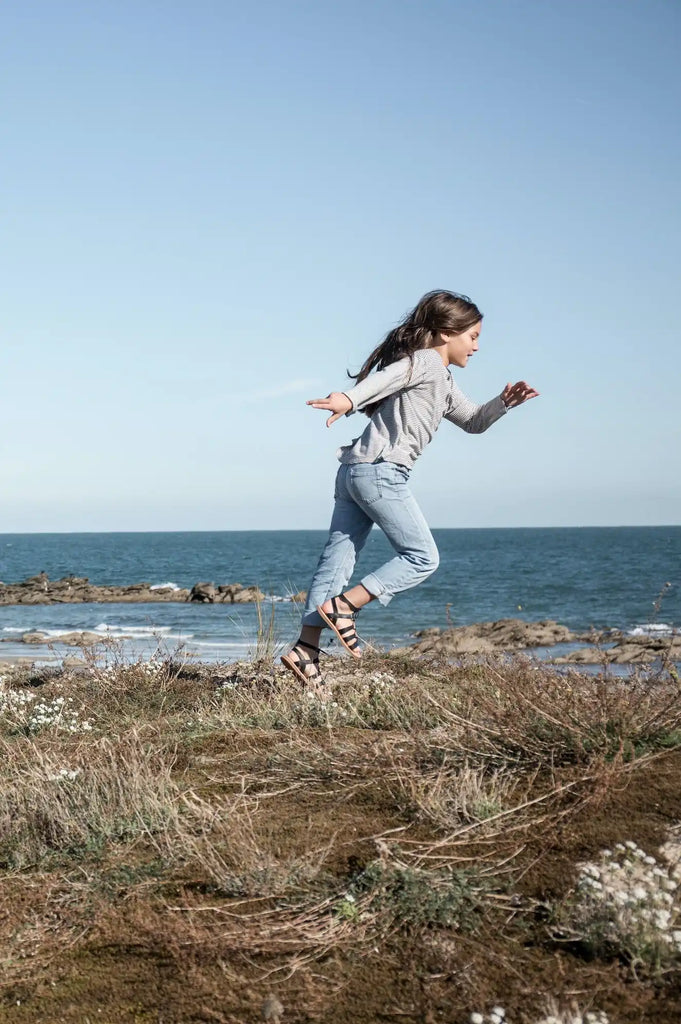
(113, 627)
(14, 629)
(56, 633)
(652, 629)
(210, 643)
(116, 632)
(165, 586)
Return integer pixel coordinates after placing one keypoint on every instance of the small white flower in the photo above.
(477, 1018)
(592, 870)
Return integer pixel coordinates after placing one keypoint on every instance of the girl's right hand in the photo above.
(337, 402)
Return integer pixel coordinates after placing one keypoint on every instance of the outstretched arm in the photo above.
(375, 387)
(475, 419)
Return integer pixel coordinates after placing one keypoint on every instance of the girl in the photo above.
(405, 400)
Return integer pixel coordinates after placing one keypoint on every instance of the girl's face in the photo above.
(461, 346)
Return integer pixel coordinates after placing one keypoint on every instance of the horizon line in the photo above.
(324, 529)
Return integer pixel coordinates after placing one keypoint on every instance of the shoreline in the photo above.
(610, 647)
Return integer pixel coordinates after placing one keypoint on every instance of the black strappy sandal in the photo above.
(298, 667)
(347, 635)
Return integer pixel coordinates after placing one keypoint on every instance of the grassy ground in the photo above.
(188, 843)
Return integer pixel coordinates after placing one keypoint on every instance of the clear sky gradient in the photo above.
(213, 209)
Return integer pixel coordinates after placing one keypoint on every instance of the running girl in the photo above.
(406, 398)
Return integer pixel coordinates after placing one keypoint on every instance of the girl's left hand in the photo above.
(516, 394)
(337, 403)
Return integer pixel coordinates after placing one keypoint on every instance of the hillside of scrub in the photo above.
(185, 843)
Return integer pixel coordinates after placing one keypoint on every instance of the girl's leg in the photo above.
(381, 491)
(349, 529)
(348, 532)
(386, 497)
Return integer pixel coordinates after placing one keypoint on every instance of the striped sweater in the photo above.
(414, 401)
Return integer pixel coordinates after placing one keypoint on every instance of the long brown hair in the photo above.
(438, 312)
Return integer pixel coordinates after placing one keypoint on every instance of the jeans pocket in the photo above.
(364, 482)
(394, 480)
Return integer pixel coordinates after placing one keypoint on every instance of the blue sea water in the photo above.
(581, 577)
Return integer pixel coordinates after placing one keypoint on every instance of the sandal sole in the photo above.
(356, 654)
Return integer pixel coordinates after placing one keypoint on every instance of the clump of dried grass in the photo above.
(222, 844)
(450, 796)
(531, 714)
(108, 790)
(361, 700)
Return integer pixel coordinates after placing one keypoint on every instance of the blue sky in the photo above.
(212, 210)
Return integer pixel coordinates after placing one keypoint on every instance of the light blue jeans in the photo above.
(368, 493)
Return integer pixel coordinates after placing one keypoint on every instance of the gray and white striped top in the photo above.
(412, 407)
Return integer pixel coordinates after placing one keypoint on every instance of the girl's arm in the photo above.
(475, 418)
(471, 417)
(382, 383)
(373, 388)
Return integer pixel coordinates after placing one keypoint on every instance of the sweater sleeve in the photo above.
(383, 383)
(473, 418)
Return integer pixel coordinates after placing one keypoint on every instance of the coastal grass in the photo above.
(402, 842)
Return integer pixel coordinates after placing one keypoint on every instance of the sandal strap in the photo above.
(310, 647)
(349, 635)
(337, 614)
(303, 659)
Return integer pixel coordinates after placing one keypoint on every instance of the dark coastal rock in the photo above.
(41, 589)
(204, 593)
(228, 593)
(488, 638)
(241, 595)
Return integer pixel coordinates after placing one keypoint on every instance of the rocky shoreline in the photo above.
(605, 647)
(41, 589)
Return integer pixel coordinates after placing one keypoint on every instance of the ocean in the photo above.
(581, 577)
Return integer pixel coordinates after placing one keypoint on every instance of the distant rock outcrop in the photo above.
(627, 650)
(41, 589)
(608, 646)
(487, 638)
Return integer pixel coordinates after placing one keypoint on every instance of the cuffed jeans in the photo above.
(368, 493)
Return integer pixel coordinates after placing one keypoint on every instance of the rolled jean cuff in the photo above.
(376, 589)
(313, 619)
